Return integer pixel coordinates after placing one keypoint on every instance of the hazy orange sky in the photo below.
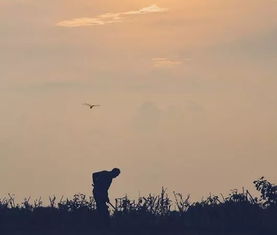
(187, 91)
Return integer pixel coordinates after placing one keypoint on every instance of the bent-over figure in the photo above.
(101, 182)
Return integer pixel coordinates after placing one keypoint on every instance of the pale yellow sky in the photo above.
(186, 87)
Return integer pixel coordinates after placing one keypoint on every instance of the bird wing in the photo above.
(87, 104)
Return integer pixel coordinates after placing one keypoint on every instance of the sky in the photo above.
(187, 90)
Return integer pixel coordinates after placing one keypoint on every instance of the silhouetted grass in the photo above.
(238, 213)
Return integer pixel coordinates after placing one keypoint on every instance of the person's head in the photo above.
(115, 172)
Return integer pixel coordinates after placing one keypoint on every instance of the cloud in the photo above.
(146, 10)
(165, 62)
(109, 18)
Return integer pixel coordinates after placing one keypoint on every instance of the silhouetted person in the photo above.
(101, 182)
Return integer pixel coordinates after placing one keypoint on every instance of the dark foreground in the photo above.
(237, 214)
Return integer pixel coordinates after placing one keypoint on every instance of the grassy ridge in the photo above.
(238, 213)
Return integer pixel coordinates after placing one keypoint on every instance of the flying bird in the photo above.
(91, 105)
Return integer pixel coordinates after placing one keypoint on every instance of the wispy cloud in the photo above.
(165, 62)
(109, 18)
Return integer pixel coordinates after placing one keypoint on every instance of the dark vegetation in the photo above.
(237, 214)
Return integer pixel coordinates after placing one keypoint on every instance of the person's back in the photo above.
(102, 181)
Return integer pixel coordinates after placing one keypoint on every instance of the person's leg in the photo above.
(103, 213)
(106, 216)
